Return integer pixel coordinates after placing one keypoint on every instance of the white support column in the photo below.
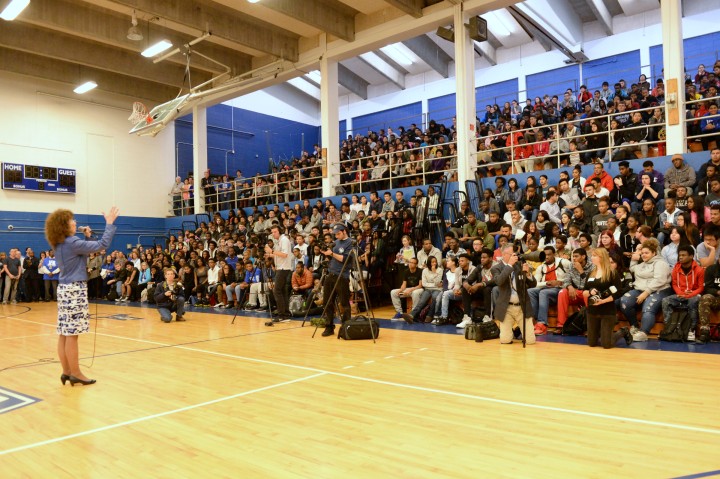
(199, 154)
(671, 12)
(465, 98)
(425, 110)
(348, 127)
(645, 67)
(522, 89)
(330, 118)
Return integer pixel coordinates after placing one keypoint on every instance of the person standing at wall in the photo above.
(12, 267)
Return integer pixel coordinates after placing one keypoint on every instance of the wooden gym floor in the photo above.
(206, 398)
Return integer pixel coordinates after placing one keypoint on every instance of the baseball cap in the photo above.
(338, 228)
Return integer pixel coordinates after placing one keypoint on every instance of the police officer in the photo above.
(338, 255)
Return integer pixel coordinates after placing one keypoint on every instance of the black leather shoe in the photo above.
(64, 378)
(328, 331)
(73, 380)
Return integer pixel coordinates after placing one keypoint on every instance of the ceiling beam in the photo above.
(533, 32)
(369, 38)
(73, 75)
(352, 81)
(110, 28)
(225, 23)
(411, 7)
(487, 51)
(558, 20)
(383, 68)
(332, 17)
(429, 52)
(26, 38)
(543, 31)
(602, 13)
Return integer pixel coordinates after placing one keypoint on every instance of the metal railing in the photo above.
(414, 166)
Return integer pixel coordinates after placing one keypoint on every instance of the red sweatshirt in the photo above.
(690, 284)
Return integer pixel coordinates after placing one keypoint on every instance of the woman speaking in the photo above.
(72, 294)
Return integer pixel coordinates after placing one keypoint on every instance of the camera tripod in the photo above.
(354, 268)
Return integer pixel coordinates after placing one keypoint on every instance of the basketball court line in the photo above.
(449, 393)
(155, 416)
(30, 336)
(425, 389)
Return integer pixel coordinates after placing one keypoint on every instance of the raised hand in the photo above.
(112, 215)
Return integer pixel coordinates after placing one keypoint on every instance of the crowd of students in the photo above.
(615, 122)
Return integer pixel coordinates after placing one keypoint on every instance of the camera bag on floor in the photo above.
(482, 331)
(677, 326)
(359, 328)
(576, 324)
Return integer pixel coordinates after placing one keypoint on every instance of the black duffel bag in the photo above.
(359, 328)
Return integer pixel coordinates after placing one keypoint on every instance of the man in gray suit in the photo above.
(512, 305)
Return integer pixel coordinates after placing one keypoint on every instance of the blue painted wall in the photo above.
(443, 108)
(343, 130)
(553, 82)
(394, 117)
(703, 49)
(29, 230)
(496, 93)
(254, 137)
(611, 69)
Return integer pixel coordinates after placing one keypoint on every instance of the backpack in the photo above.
(677, 326)
(576, 324)
(296, 305)
(455, 314)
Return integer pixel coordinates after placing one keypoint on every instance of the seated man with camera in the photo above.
(170, 296)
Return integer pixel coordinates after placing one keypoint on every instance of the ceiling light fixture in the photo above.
(85, 87)
(253, 1)
(134, 32)
(159, 47)
(14, 9)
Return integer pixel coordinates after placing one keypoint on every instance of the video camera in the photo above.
(535, 256)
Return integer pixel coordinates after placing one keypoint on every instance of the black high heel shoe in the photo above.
(84, 382)
(64, 378)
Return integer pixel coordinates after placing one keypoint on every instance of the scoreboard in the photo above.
(37, 178)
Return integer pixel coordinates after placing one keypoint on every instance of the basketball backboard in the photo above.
(161, 115)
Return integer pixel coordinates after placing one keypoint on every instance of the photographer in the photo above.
(281, 252)
(170, 296)
(513, 279)
(335, 284)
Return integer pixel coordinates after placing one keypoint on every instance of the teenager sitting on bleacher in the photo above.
(651, 286)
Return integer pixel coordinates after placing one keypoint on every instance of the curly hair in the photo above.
(57, 226)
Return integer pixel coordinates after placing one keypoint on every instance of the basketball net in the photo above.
(139, 113)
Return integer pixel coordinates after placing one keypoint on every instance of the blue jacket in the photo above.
(72, 253)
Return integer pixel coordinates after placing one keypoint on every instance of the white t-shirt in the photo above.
(284, 245)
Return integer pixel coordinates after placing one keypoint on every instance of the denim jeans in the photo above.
(427, 295)
(650, 307)
(674, 301)
(447, 296)
(166, 309)
(540, 301)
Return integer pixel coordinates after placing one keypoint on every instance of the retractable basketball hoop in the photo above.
(139, 112)
(151, 123)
